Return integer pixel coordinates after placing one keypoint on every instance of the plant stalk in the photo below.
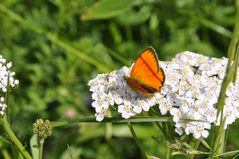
(143, 153)
(41, 149)
(14, 139)
(168, 151)
(233, 56)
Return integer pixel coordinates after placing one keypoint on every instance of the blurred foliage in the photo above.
(59, 45)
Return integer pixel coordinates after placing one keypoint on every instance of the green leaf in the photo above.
(136, 17)
(204, 143)
(138, 119)
(105, 9)
(228, 153)
(217, 28)
(34, 147)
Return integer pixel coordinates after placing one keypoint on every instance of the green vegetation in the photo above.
(57, 46)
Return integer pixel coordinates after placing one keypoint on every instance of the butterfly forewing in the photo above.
(146, 65)
(155, 81)
(146, 74)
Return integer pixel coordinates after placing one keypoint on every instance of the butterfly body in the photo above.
(146, 77)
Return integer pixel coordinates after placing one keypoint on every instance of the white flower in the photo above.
(177, 114)
(100, 105)
(201, 130)
(3, 106)
(189, 93)
(101, 115)
(126, 111)
(7, 81)
(141, 105)
(229, 114)
(117, 97)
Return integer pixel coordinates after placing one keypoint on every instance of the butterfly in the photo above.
(146, 77)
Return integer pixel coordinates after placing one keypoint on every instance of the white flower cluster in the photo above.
(110, 89)
(190, 93)
(7, 80)
(3, 106)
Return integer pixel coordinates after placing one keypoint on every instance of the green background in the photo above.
(57, 46)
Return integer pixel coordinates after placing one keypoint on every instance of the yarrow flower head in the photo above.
(7, 80)
(190, 93)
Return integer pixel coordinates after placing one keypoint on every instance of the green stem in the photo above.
(233, 55)
(41, 149)
(162, 130)
(14, 139)
(143, 153)
(5, 154)
(168, 152)
(166, 132)
(138, 119)
(168, 139)
(108, 129)
(195, 144)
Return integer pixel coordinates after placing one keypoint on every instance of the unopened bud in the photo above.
(42, 129)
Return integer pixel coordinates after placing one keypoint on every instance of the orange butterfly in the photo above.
(146, 76)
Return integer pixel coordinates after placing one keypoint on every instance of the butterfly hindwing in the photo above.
(144, 89)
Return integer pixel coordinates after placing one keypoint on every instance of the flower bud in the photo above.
(42, 129)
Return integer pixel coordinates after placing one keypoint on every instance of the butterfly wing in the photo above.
(145, 65)
(146, 71)
(155, 81)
